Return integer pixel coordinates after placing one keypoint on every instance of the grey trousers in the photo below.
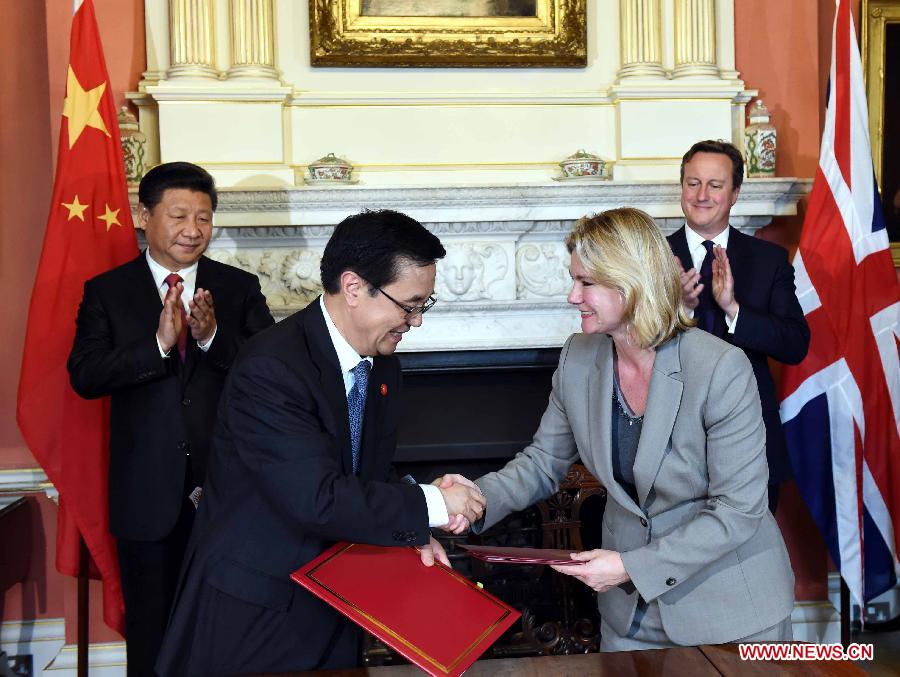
(646, 632)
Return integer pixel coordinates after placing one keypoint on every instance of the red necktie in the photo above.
(172, 279)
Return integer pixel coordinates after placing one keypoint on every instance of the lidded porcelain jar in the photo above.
(760, 142)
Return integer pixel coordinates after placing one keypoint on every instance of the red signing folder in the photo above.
(520, 555)
(433, 616)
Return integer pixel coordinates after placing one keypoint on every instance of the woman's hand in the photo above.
(603, 569)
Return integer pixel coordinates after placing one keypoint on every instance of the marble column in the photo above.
(252, 39)
(695, 38)
(191, 39)
(641, 51)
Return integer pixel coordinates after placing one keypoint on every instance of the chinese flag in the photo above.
(89, 230)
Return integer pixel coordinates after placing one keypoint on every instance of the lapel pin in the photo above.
(384, 389)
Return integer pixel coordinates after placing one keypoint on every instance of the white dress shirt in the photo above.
(698, 253)
(348, 358)
(189, 281)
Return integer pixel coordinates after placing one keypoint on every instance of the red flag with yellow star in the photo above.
(89, 231)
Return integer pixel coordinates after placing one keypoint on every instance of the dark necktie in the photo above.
(706, 308)
(356, 405)
(172, 279)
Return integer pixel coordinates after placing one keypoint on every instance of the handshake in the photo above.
(464, 500)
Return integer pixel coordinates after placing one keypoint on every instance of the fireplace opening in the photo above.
(470, 411)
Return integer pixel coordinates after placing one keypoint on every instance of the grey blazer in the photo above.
(702, 542)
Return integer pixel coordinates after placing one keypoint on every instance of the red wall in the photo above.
(25, 186)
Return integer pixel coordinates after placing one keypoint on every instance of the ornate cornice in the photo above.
(327, 205)
(597, 97)
(230, 90)
(531, 194)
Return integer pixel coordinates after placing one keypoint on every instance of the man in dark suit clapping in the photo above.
(158, 335)
(739, 287)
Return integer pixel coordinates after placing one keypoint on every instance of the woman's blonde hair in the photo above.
(624, 249)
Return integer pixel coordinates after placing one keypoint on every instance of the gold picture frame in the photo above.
(357, 33)
(880, 36)
(877, 14)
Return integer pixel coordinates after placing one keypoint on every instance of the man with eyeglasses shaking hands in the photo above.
(301, 458)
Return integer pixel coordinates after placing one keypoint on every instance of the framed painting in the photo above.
(881, 64)
(448, 33)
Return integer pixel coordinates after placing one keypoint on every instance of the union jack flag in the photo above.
(840, 405)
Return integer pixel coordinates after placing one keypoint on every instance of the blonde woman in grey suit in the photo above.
(668, 419)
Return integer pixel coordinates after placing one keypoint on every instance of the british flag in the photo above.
(840, 405)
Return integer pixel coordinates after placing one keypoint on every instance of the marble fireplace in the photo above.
(477, 372)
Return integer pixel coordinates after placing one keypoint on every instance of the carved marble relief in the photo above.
(471, 271)
(300, 274)
(289, 277)
(542, 270)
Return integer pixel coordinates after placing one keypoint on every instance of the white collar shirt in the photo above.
(695, 244)
(188, 276)
(348, 358)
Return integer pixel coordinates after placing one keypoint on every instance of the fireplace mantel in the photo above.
(761, 199)
(504, 281)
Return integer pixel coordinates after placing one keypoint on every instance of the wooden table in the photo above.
(714, 661)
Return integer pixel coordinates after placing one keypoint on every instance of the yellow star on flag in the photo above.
(111, 217)
(80, 107)
(76, 209)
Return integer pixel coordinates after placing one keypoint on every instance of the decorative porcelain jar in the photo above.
(760, 142)
(330, 169)
(582, 165)
(134, 146)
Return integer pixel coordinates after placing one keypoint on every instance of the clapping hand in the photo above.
(170, 318)
(690, 285)
(202, 319)
(723, 282)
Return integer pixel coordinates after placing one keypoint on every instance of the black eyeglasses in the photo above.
(411, 311)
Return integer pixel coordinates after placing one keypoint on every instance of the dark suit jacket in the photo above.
(770, 324)
(279, 491)
(160, 409)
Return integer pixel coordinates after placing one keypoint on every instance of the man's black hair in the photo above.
(376, 245)
(176, 175)
(722, 148)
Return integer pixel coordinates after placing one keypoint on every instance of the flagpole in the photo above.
(845, 614)
(83, 611)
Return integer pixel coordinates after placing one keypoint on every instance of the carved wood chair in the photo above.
(577, 628)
